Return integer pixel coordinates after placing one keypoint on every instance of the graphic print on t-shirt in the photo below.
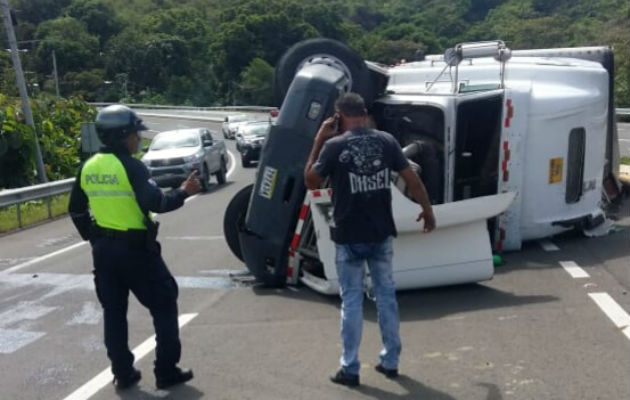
(363, 159)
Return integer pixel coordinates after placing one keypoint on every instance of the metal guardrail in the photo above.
(191, 108)
(623, 111)
(12, 197)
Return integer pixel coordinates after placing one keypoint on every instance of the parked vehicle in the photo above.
(172, 156)
(232, 122)
(250, 139)
(512, 146)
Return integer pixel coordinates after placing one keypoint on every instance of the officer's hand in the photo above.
(191, 185)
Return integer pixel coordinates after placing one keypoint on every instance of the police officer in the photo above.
(110, 205)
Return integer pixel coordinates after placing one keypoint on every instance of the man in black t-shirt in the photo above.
(359, 162)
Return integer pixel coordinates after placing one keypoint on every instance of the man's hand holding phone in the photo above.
(329, 128)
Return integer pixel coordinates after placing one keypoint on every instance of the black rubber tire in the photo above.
(221, 178)
(287, 66)
(234, 218)
(245, 162)
(205, 179)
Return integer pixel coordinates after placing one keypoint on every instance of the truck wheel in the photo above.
(234, 219)
(245, 162)
(221, 174)
(205, 179)
(323, 51)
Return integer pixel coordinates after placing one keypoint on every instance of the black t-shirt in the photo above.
(359, 163)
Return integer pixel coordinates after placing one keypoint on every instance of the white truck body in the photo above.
(523, 139)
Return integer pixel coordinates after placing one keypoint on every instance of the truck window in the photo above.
(575, 165)
(477, 146)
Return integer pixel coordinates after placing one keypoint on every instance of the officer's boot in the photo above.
(165, 379)
(124, 381)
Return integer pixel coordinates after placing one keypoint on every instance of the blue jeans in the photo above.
(350, 260)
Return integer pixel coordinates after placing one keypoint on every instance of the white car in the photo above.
(231, 123)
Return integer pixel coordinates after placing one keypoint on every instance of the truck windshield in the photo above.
(175, 139)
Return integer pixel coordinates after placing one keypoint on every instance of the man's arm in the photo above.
(312, 179)
(419, 193)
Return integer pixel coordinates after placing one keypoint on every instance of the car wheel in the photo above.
(205, 179)
(245, 162)
(323, 51)
(234, 219)
(221, 174)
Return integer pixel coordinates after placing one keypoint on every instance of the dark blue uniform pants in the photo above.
(119, 267)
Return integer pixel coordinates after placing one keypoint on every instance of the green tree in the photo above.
(74, 47)
(255, 86)
(98, 16)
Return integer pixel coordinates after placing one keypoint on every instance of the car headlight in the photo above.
(193, 158)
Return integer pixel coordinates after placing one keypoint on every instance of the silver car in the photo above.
(173, 155)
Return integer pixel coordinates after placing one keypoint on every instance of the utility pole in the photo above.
(19, 77)
(55, 73)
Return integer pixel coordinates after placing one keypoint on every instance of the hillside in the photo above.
(207, 52)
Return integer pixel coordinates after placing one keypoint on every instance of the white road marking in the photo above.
(105, 377)
(613, 311)
(194, 237)
(574, 270)
(548, 245)
(90, 314)
(42, 258)
(14, 339)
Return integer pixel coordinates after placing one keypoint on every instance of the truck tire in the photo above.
(221, 178)
(245, 162)
(323, 51)
(234, 218)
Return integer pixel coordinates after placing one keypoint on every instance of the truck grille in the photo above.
(166, 162)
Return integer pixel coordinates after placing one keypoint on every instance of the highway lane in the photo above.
(533, 332)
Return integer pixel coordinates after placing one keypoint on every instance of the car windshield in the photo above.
(255, 130)
(175, 139)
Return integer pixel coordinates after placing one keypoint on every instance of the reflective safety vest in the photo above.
(111, 197)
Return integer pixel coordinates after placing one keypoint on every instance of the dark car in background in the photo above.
(250, 139)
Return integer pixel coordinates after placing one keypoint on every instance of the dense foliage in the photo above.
(207, 52)
(58, 125)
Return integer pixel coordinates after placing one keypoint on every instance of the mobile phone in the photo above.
(336, 123)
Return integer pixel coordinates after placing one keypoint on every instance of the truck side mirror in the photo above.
(145, 149)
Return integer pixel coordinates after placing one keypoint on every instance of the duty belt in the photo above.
(134, 235)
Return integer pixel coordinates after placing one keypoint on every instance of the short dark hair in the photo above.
(351, 105)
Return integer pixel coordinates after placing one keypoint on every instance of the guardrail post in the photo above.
(48, 206)
(19, 214)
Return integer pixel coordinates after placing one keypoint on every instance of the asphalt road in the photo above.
(532, 332)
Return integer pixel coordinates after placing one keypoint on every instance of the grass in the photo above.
(32, 212)
(625, 160)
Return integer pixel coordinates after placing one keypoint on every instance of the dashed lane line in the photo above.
(613, 311)
(574, 270)
(105, 377)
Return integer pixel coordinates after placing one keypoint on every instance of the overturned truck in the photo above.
(512, 146)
